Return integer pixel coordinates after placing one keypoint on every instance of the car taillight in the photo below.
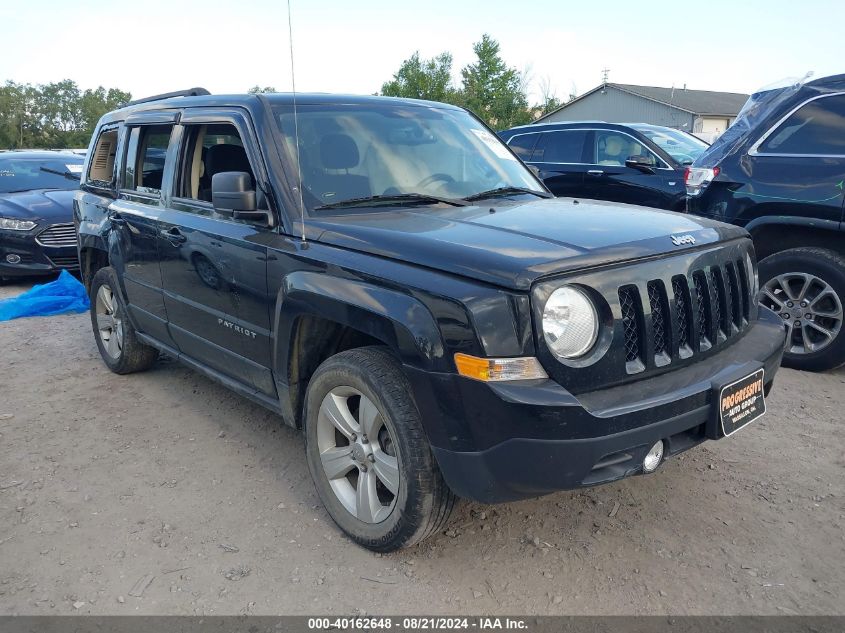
(696, 179)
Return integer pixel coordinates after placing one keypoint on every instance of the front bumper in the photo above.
(35, 259)
(508, 441)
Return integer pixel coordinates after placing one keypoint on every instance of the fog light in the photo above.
(653, 457)
(13, 259)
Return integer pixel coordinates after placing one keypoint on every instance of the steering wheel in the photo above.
(444, 178)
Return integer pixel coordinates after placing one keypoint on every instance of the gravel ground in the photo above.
(164, 493)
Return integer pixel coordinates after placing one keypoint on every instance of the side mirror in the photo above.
(233, 194)
(640, 163)
(232, 191)
(534, 170)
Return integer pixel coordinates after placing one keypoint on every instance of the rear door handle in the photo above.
(596, 172)
(174, 236)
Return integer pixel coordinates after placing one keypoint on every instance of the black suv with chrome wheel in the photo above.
(386, 275)
(779, 171)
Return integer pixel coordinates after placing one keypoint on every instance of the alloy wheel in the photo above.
(358, 454)
(109, 322)
(809, 306)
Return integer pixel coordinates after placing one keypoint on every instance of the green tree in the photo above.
(257, 90)
(423, 79)
(493, 90)
(54, 115)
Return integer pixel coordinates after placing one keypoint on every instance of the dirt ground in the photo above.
(164, 493)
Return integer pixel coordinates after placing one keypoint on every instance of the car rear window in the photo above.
(817, 128)
(563, 146)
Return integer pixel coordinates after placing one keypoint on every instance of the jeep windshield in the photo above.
(398, 155)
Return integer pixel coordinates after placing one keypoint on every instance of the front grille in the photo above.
(709, 309)
(57, 235)
(69, 261)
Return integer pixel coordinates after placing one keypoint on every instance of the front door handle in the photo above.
(173, 236)
(596, 172)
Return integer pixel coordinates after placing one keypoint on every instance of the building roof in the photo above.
(699, 102)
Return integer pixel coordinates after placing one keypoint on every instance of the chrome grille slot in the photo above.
(660, 321)
(57, 235)
(743, 289)
(683, 315)
(629, 304)
(735, 301)
(703, 310)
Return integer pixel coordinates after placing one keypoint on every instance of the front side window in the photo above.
(25, 174)
(145, 157)
(613, 149)
(359, 151)
(209, 149)
(564, 146)
(816, 128)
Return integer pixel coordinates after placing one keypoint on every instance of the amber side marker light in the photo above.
(499, 369)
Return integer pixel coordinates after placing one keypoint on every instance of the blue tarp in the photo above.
(62, 296)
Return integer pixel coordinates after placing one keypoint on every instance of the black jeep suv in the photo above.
(387, 275)
(779, 171)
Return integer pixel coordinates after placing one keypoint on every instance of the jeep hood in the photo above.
(513, 245)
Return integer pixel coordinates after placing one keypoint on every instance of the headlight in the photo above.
(11, 224)
(570, 322)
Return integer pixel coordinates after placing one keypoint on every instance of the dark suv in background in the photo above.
(779, 171)
(635, 163)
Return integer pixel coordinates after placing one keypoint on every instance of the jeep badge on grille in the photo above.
(680, 240)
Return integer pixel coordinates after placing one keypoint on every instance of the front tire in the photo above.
(806, 287)
(119, 346)
(368, 455)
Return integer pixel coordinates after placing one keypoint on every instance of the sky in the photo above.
(152, 46)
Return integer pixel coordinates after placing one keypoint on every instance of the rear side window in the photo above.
(564, 146)
(101, 167)
(523, 144)
(816, 128)
(145, 155)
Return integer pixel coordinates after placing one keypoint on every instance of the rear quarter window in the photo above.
(816, 128)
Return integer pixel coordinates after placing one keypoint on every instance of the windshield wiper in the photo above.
(503, 191)
(67, 174)
(398, 198)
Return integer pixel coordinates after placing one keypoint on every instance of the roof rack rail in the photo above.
(191, 92)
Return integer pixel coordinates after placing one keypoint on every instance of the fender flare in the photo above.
(399, 320)
(791, 220)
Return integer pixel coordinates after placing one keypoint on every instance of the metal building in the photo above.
(700, 111)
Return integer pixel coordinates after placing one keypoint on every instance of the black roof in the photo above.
(281, 98)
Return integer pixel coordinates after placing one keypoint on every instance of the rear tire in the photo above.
(363, 391)
(806, 286)
(119, 346)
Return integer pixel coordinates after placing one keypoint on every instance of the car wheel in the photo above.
(368, 455)
(120, 348)
(806, 287)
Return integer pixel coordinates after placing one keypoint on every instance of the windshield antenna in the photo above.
(296, 126)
